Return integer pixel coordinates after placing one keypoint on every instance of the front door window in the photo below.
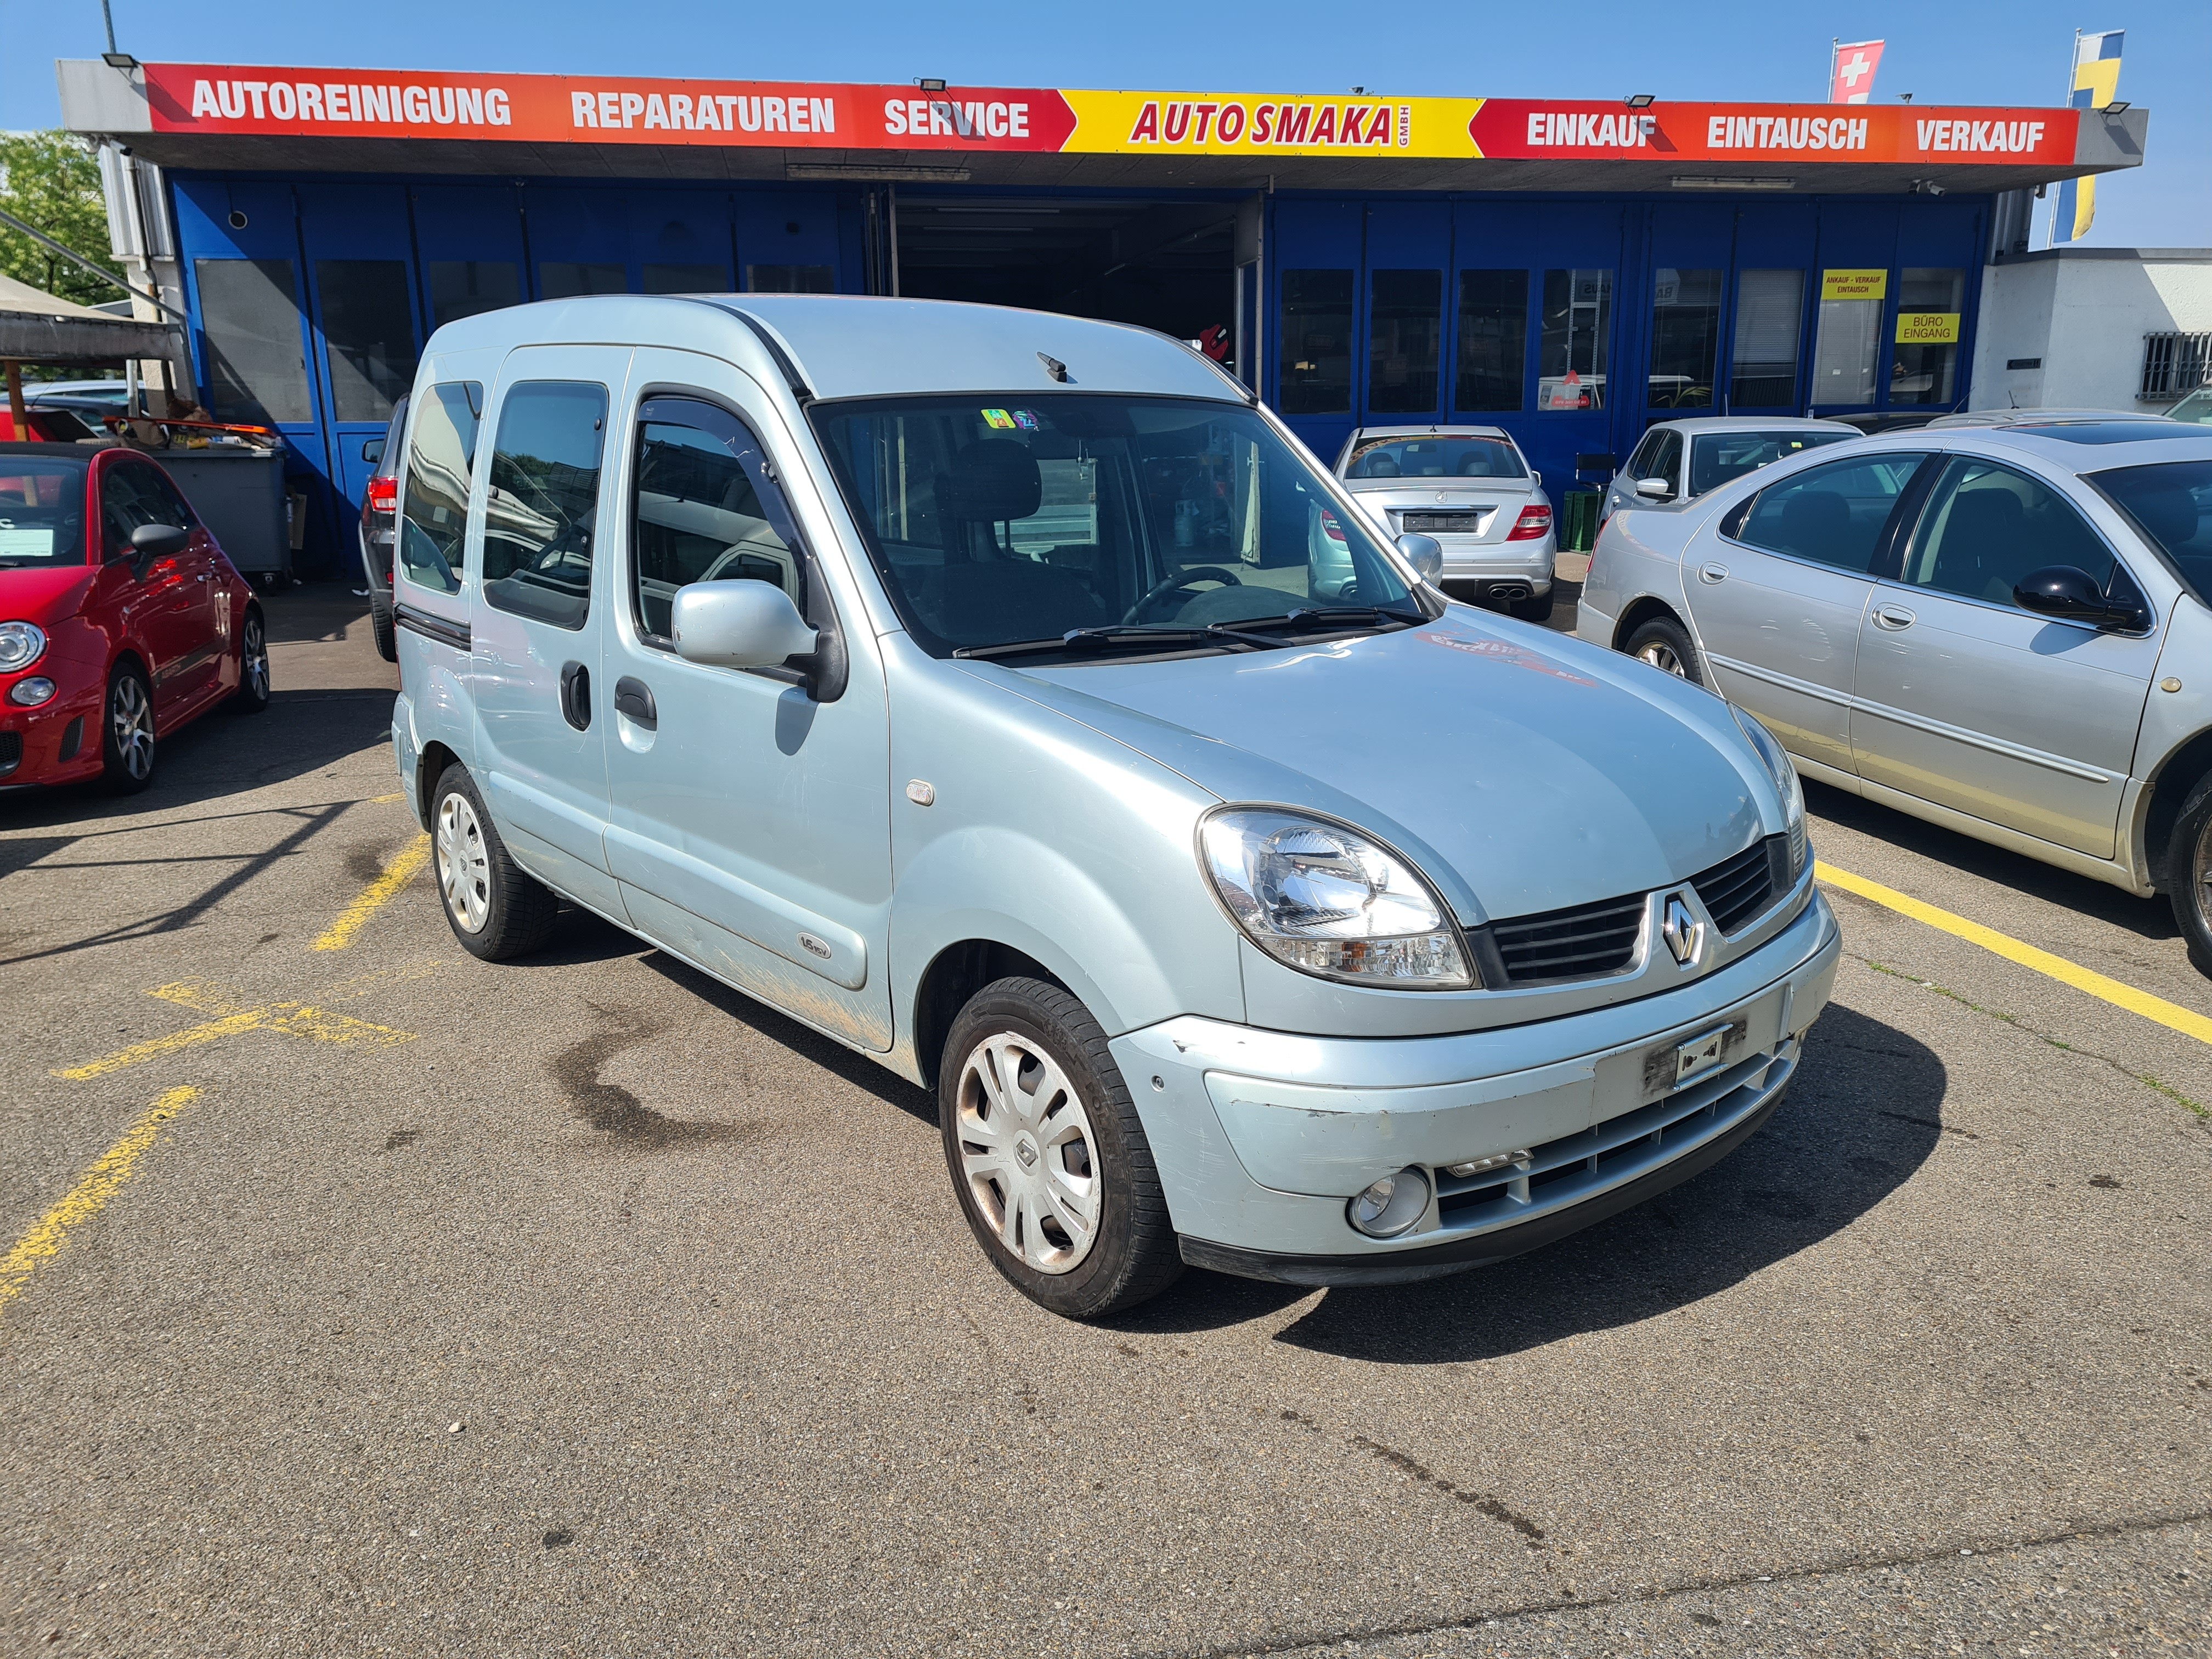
(706, 510)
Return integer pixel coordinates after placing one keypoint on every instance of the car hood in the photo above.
(43, 593)
(1522, 770)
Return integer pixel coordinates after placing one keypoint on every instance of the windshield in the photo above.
(41, 510)
(1718, 457)
(2171, 504)
(1435, 457)
(998, 518)
(2197, 406)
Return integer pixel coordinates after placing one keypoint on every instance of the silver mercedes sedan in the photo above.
(1471, 489)
(2007, 631)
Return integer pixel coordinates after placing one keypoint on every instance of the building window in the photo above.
(1316, 353)
(2174, 364)
(1929, 303)
(1685, 338)
(1405, 340)
(1770, 312)
(465, 288)
(1848, 343)
(369, 335)
(250, 317)
(1578, 330)
(1493, 340)
(564, 279)
(790, 279)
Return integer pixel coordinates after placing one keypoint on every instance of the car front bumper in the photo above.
(1262, 1137)
(57, 742)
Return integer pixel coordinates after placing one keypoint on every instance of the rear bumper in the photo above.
(1262, 1137)
(1467, 560)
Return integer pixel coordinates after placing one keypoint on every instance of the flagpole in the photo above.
(1835, 45)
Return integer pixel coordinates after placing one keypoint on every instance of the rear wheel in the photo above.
(1665, 645)
(2188, 874)
(126, 742)
(1046, 1154)
(496, 910)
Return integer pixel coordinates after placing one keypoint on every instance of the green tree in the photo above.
(49, 180)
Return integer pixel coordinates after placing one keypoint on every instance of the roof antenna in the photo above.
(1054, 366)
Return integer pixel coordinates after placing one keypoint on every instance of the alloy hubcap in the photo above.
(463, 867)
(130, 717)
(1026, 1151)
(1663, 659)
(253, 654)
(2204, 876)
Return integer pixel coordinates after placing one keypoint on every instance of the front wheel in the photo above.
(126, 741)
(1664, 644)
(1046, 1154)
(2188, 874)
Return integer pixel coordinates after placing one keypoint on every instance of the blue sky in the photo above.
(1986, 53)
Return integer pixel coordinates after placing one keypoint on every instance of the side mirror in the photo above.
(1655, 490)
(740, 624)
(1425, 554)
(2072, 594)
(150, 542)
(373, 451)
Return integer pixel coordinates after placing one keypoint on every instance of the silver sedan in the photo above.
(1471, 489)
(2002, 630)
(1680, 460)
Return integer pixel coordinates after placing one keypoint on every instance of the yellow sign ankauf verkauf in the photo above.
(1927, 328)
(1853, 284)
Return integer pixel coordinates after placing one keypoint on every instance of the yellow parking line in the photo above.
(90, 1196)
(397, 874)
(292, 1019)
(2171, 1015)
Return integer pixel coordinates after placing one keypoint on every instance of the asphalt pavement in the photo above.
(371, 1299)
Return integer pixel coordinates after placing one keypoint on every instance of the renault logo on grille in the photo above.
(1684, 933)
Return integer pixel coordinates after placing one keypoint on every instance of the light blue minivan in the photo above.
(964, 682)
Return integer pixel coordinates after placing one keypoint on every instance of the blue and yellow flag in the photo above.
(2096, 83)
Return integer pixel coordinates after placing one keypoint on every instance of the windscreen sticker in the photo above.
(25, 544)
(999, 418)
(1513, 656)
(1025, 419)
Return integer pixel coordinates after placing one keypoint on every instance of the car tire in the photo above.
(495, 910)
(2188, 874)
(1027, 1084)
(381, 624)
(126, 732)
(1664, 644)
(1536, 610)
(251, 696)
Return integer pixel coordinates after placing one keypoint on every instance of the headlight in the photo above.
(1329, 901)
(20, 646)
(1784, 772)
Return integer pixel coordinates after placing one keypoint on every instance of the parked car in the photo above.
(2001, 629)
(121, 619)
(111, 396)
(2038, 416)
(1471, 489)
(1680, 460)
(1873, 422)
(2196, 407)
(380, 519)
(44, 424)
(898, 664)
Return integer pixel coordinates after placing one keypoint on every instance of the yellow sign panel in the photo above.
(1216, 124)
(1853, 284)
(1927, 328)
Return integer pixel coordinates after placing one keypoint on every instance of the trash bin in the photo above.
(1581, 528)
(239, 494)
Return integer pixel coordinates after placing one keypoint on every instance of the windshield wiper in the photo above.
(1334, 615)
(1118, 633)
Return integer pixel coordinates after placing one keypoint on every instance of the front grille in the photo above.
(1583, 941)
(1737, 890)
(1442, 524)
(11, 752)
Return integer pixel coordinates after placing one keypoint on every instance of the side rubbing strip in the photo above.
(433, 628)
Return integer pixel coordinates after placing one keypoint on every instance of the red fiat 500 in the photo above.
(121, 619)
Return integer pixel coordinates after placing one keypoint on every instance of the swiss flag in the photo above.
(1850, 71)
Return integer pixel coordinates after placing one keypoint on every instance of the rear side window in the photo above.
(1831, 515)
(541, 512)
(434, 510)
(1986, 527)
(706, 509)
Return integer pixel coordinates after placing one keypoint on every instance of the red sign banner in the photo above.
(1524, 129)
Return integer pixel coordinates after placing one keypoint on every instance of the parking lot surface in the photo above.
(366, 1298)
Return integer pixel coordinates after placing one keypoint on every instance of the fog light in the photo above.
(30, 693)
(1391, 1206)
(1484, 1165)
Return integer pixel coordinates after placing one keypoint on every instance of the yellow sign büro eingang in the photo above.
(1853, 284)
(1927, 328)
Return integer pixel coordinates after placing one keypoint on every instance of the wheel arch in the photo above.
(2172, 784)
(953, 977)
(430, 766)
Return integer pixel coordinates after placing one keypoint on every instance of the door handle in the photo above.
(1712, 572)
(1894, 617)
(576, 695)
(634, 702)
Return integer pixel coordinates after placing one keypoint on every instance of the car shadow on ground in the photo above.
(1864, 1113)
(2146, 918)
